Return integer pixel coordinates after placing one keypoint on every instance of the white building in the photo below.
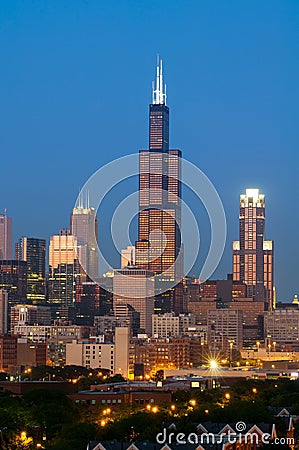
(122, 336)
(93, 353)
(170, 325)
(165, 325)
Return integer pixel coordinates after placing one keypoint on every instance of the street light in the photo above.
(269, 347)
(231, 343)
(213, 364)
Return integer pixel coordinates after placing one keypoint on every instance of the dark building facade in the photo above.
(62, 284)
(88, 295)
(13, 278)
(33, 251)
(8, 352)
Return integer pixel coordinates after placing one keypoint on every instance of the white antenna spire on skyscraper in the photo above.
(159, 96)
(79, 202)
(161, 83)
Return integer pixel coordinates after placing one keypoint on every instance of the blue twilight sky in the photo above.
(75, 84)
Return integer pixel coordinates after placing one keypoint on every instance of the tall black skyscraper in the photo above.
(13, 279)
(159, 237)
(33, 251)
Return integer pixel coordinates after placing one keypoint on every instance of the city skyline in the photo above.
(149, 224)
(256, 139)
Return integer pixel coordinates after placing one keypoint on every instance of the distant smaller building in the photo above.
(282, 327)
(40, 333)
(115, 400)
(8, 352)
(225, 330)
(95, 353)
(171, 325)
(29, 315)
(31, 355)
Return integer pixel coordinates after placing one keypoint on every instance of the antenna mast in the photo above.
(159, 96)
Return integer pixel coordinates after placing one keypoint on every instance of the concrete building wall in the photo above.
(165, 325)
(91, 354)
(281, 326)
(122, 335)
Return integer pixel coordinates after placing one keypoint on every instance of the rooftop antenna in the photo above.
(161, 83)
(159, 97)
(79, 205)
(153, 92)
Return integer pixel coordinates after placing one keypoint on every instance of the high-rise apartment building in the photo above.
(5, 237)
(84, 227)
(159, 238)
(33, 251)
(252, 254)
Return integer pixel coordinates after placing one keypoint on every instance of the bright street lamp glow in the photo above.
(213, 364)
